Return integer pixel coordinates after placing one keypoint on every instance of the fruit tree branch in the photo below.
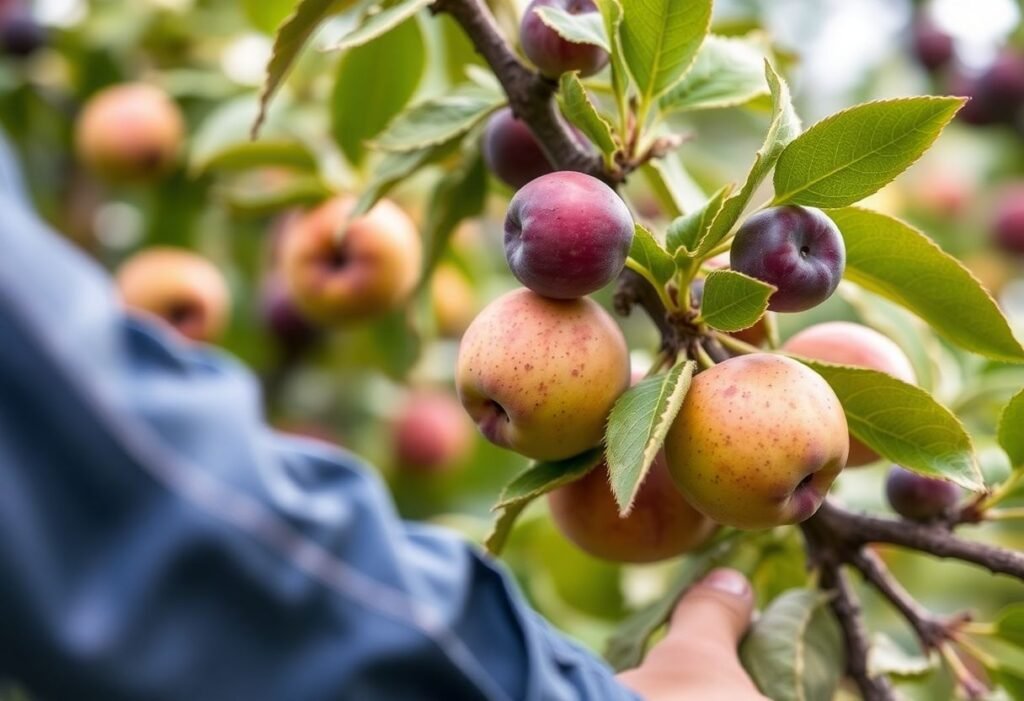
(854, 530)
(931, 630)
(531, 97)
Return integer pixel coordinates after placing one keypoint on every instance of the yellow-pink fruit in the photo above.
(662, 524)
(539, 376)
(431, 433)
(844, 343)
(370, 270)
(131, 131)
(758, 441)
(180, 287)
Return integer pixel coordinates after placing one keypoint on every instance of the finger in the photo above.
(715, 611)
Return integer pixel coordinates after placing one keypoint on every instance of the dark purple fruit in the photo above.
(797, 249)
(511, 150)
(552, 54)
(919, 498)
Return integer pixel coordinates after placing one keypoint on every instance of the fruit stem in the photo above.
(703, 359)
(971, 685)
(1004, 514)
(736, 345)
(646, 274)
(1001, 492)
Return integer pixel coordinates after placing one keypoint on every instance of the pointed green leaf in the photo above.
(651, 256)
(734, 301)
(854, 153)
(291, 38)
(395, 167)
(362, 103)
(891, 258)
(660, 39)
(727, 72)
(794, 652)
(1011, 430)
(611, 13)
(580, 28)
(536, 480)
(687, 231)
(376, 24)
(579, 110)
(675, 188)
(903, 423)
(885, 656)
(246, 201)
(784, 127)
(1009, 624)
(440, 119)
(637, 426)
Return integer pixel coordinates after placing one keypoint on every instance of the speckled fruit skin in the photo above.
(758, 441)
(539, 376)
(511, 150)
(567, 234)
(844, 343)
(1008, 224)
(370, 271)
(184, 289)
(797, 249)
(661, 525)
(552, 54)
(431, 433)
(917, 497)
(130, 132)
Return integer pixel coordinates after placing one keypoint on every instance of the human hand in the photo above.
(698, 657)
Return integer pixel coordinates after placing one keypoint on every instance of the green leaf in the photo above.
(660, 39)
(295, 192)
(394, 168)
(852, 154)
(1009, 624)
(886, 657)
(687, 231)
(891, 258)
(794, 651)
(903, 423)
(266, 15)
(459, 195)
(627, 645)
(291, 37)
(376, 24)
(784, 127)
(440, 119)
(611, 13)
(676, 190)
(651, 256)
(581, 28)
(579, 110)
(245, 155)
(362, 103)
(536, 480)
(727, 72)
(734, 301)
(1011, 430)
(637, 426)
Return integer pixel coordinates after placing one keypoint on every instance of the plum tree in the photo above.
(919, 498)
(431, 432)
(539, 376)
(129, 132)
(567, 234)
(661, 525)
(1008, 223)
(550, 52)
(178, 286)
(797, 249)
(845, 343)
(758, 441)
(341, 271)
(512, 151)
(453, 300)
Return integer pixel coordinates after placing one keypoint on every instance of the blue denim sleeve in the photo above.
(157, 541)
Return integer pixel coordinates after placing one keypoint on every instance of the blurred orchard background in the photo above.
(384, 388)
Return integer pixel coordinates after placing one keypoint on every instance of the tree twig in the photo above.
(529, 94)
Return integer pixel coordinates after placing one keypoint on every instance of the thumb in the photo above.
(714, 612)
